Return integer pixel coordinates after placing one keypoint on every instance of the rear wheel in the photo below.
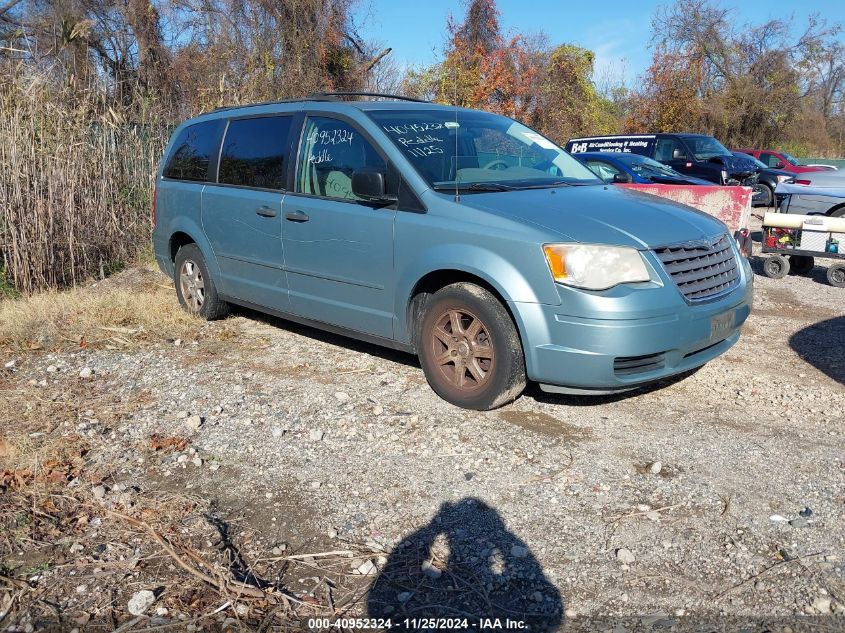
(195, 287)
(801, 264)
(768, 198)
(469, 348)
(836, 275)
(776, 267)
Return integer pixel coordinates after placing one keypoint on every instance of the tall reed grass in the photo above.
(76, 178)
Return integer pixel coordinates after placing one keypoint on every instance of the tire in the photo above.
(836, 275)
(776, 267)
(194, 286)
(469, 348)
(769, 198)
(801, 264)
(839, 212)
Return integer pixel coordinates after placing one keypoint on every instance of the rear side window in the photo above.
(668, 149)
(254, 152)
(193, 150)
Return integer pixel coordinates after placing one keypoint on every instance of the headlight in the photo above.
(724, 176)
(595, 266)
(783, 178)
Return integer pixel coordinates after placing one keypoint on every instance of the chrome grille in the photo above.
(701, 269)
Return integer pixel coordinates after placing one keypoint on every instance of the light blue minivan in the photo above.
(461, 236)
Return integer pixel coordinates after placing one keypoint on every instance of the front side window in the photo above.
(478, 151)
(668, 149)
(192, 151)
(254, 152)
(330, 151)
(605, 171)
(770, 159)
(789, 158)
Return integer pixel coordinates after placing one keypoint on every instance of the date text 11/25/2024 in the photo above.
(412, 624)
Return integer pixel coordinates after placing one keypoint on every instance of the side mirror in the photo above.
(369, 184)
(780, 164)
(622, 178)
(678, 154)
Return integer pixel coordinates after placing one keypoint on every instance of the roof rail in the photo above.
(338, 96)
(322, 96)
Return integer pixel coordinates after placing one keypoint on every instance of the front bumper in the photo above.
(626, 337)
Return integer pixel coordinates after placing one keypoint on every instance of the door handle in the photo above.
(297, 216)
(266, 211)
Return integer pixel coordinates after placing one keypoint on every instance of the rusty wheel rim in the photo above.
(462, 350)
(192, 285)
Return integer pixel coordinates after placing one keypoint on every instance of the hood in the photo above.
(735, 165)
(601, 215)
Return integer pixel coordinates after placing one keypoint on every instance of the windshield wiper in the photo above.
(475, 186)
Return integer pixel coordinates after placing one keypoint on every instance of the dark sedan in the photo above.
(619, 167)
(769, 179)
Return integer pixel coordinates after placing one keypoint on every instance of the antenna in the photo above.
(457, 158)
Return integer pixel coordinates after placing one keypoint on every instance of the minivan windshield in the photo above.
(478, 151)
(706, 147)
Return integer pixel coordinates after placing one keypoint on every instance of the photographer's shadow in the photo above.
(465, 564)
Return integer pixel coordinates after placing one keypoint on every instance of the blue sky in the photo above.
(618, 32)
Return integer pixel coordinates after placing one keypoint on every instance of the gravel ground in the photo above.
(719, 495)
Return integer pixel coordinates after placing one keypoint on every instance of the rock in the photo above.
(777, 518)
(537, 596)
(214, 466)
(403, 596)
(193, 422)
(341, 396)
(10, 364)
(799, 522)
(367, 568)
(277, 432)
(162, 611)
(52, 369)
(141, 601)
(378, 410)
(196, 461)
(279, 549)
(241, 609)
(655, 468)
(315, 436)
(315, 485)
(86, 372)
(332, 533)
(625, 556)
(822, 604)
(518, 551)
(430, 570)
(181, 415)
(99, 492)
(654, 515)
(806, 513)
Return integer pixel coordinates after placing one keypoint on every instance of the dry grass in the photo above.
(76, 177)
(135, 306)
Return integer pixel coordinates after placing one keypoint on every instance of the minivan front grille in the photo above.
(627, 365)
(701, 269)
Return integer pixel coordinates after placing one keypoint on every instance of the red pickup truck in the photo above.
(780, 160)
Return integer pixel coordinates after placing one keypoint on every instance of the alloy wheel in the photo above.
(462, 350)
(192, 285)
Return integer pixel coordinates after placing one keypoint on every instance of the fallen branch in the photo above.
(222, 585)
(643, 512)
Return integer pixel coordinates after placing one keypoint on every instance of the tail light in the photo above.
(155, 191)
(802, 182)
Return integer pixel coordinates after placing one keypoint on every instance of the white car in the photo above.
(814, 193)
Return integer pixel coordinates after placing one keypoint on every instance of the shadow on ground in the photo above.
(465, 564)
(820, 345)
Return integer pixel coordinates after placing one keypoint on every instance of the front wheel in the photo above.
(768, 198)
(836, 275)
(469, 348)
(776, 267)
